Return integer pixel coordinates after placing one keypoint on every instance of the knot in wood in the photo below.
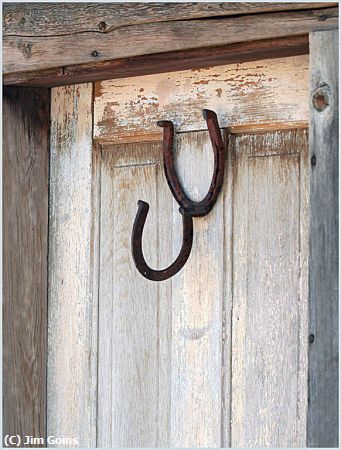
(321, 97)
(102, 26)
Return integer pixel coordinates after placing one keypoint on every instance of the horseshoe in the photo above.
(136, 245)
(204, 206)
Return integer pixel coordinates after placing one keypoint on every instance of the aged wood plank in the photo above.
(162, 62)
(70, 18)
(303, 294)
(22, 53)
(25, 219)
(134, 313)
(72, 301)
(226, 378)
(254, 94)
(197, 297)
(269, 323)
(323, 263)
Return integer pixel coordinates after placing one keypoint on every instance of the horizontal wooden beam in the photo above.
(23, 53)
(162, 62)
(50, 19)
(127, 110)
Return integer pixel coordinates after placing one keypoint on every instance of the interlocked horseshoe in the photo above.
(204, 206)
(136, 245)
(188, 208)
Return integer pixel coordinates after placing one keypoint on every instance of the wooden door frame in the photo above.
(26, 104)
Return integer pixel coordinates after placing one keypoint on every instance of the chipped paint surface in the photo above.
(261, 93)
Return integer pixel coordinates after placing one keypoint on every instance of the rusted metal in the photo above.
(204, 206)
(136, 245)
(188, 208)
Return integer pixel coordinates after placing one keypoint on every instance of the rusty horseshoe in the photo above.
(204, 206)
(136, 245)
(188, 208)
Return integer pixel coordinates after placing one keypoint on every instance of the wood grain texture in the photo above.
(226, 341)
(323, 409)
(72, 301)
(197, 297)
(134, 313)
(269, 313)
(208, 407)
(162, 62)
(25, 222)
(70, 18)
(270, 93)
(134, 397)
(21, 53)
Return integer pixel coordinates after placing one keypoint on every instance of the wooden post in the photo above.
(323, 266)
(25, 221)
(72, 291)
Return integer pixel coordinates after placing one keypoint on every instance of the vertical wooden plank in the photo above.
(239, 291)
(197, 293)
(323, 263)
(134, 313)
(165, 204)
(25, 223)
(227, 298)
(269, 312)
(302, 376)
(72, 301)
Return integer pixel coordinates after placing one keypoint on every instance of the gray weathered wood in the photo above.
(72, 299)
(25, 19)
(323, 263)
(269, 312)
(25, 219)
(204, 57)
(22, 53)
(226, 356)
(134, 313)
(197, 300)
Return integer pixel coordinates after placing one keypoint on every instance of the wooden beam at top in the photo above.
(38, 52)
(46, 19)
(162, 62)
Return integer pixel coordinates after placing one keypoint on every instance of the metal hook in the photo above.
(204, 206)
(136, 245)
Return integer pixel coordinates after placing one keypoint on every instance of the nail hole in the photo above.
(313, 160)
(311, 338)
(94, 53)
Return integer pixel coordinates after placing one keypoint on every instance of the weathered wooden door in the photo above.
(217, 355)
